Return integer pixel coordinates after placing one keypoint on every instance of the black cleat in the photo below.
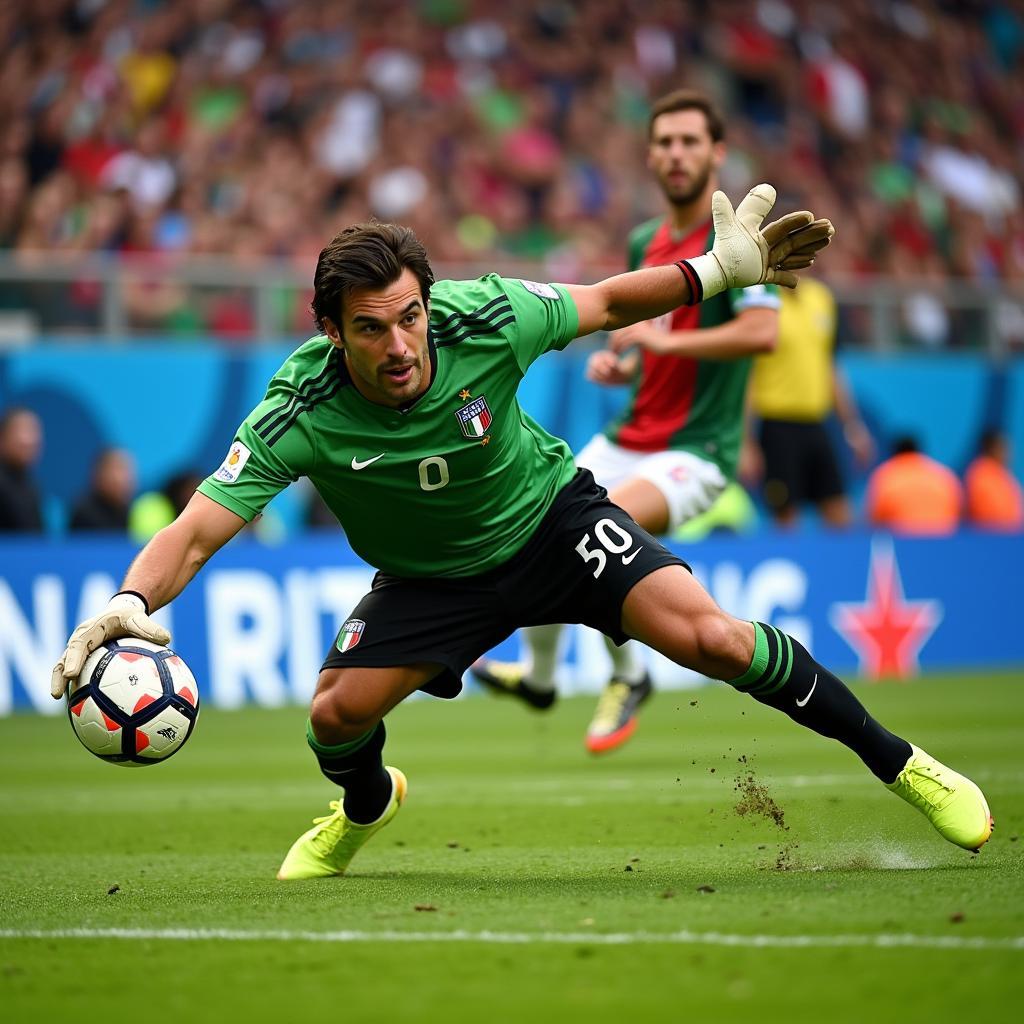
(509, 679)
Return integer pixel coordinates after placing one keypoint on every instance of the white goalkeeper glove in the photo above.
(125, 615)
(744, 253)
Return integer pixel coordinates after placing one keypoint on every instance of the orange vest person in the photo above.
(994, 498)
(911, 493)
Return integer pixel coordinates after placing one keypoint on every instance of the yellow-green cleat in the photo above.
(951, 802)
(329, 846)
(614, 720)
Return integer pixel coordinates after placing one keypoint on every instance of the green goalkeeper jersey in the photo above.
(452, 485)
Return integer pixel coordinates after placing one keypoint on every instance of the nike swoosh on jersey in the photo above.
(803, 703)
(626, 561)
(356, 464)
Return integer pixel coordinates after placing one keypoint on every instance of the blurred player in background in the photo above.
(793, 390)
(674, 449)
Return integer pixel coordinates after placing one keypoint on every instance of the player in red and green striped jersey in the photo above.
(674, 449)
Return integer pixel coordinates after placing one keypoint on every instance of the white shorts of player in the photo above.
(689, 483)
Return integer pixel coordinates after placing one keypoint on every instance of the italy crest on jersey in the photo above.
(475, 418)
(351, 633)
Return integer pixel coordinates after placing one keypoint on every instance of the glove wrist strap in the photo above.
(705, 276)
(134, 593)
(696, 288)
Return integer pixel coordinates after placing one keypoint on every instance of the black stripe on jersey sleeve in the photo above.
(278, 410)
(269, 423)
(273, 418)
(332, 387)
(274, 431)
(485, 314)
(471, 320)
(305, 387)
(473, 330)
(510, 319)
(469, 325)
(443, 325)
(311, 382)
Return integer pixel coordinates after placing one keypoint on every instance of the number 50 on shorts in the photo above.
(613, 538)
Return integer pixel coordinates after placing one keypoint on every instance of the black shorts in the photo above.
(579, 565)
(800, 464)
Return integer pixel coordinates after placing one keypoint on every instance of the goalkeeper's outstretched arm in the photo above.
(165, 566)
(744, 253)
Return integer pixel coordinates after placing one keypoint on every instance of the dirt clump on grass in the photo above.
(755, 798)
(785, 860)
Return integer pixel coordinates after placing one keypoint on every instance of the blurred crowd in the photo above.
(907, 493)
(500, 130)
(111, 503)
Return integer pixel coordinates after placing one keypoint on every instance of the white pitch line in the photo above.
(682, 938)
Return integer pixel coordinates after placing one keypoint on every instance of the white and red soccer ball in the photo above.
(134, 702)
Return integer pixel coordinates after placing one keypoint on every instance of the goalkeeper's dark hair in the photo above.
(369, 255)
(688, 99)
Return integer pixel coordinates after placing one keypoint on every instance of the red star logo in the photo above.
(886, 631)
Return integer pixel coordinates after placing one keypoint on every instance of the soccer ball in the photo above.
(134, 702)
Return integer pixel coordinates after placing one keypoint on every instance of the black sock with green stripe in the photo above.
(784, 676)
(359, 769)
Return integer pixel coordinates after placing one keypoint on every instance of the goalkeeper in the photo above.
(403, 414)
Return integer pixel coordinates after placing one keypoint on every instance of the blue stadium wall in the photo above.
(257, 621)
(176, 407)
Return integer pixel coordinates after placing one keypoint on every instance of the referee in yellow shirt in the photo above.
(792, 392)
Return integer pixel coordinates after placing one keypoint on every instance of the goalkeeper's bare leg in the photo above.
(346, 733)
(670, 611)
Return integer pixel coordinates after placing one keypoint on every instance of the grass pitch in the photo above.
(523, 878)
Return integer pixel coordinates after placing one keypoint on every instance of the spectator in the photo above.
(994, 499)
(13, 190)
(145, 171)
(911, 493)
(793, 391)
(152, 511)
(104, 507)
(21, 441)
(230, 120)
